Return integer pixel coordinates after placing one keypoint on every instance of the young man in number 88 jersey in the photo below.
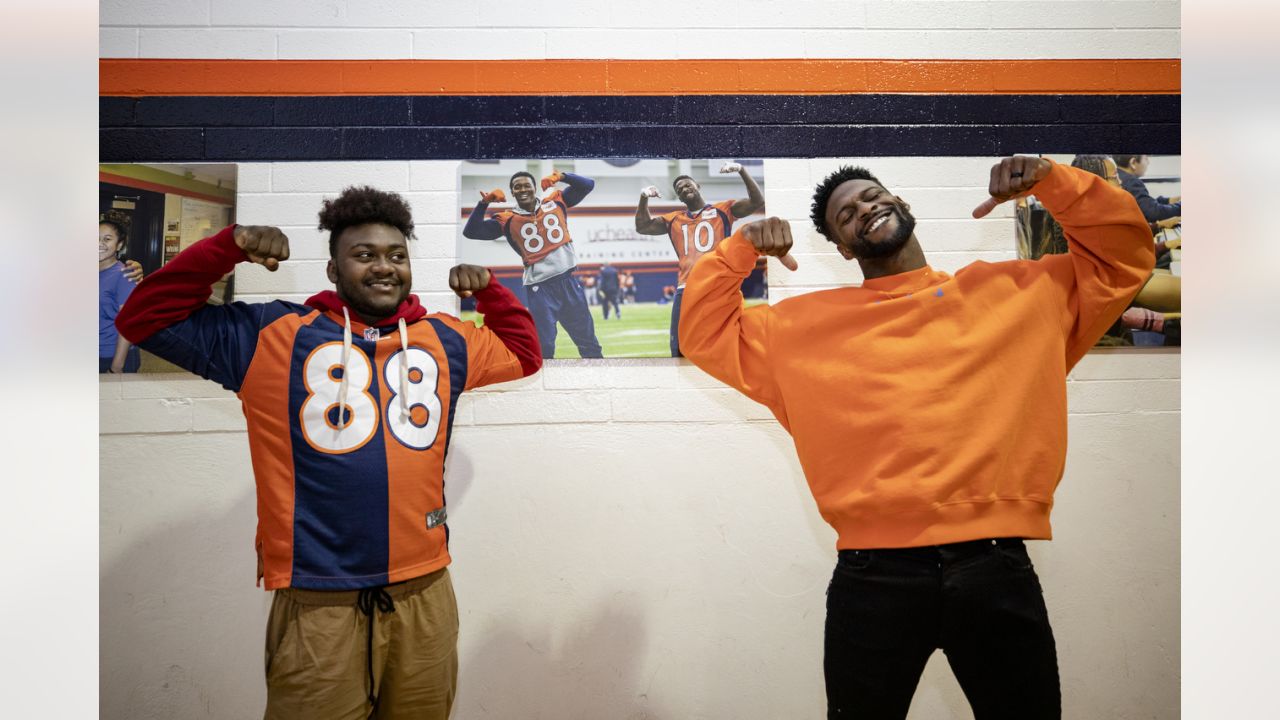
(538, 230)
(349, 402)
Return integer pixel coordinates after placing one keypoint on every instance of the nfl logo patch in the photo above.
(371, 334)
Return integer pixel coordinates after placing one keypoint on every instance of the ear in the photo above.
(332, 271)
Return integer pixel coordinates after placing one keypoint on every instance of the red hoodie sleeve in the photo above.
(511, 322)
(167, 314)
(175, 291)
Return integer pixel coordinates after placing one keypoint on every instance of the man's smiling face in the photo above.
(370, 268)
(867, 221)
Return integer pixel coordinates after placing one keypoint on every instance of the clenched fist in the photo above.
(467, 280)
(552, 179)
(493, 196)
(731, 167)
(1010, 178)
(771, 236)
(651, 191)
(264, 244)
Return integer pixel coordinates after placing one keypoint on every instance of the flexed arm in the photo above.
(1109, 250)
(730, 342)
(754, 202)
(479, 227)
(647, 224)
(504, 319)
(579, 186)
(167, 315)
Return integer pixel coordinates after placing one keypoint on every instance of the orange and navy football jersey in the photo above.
(538, 234)
(695, 233)
(346, 499)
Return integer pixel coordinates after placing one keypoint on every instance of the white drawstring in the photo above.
(404, 370)
(346, 355)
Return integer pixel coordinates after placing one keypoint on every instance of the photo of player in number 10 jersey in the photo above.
(538, 230)
(696, 229)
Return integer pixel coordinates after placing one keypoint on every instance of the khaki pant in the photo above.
(317, 663)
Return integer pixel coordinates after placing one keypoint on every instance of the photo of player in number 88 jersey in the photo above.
(538, 230)
(537, 235)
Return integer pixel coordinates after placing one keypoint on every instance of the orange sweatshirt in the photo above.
(926, 408)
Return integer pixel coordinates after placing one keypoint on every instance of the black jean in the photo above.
(979, 601)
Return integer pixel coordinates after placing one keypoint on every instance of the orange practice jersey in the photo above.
(537, 235)
(350, 483)
(695, 233)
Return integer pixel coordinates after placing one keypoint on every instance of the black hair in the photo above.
(822, 193)
(1096, 164)
(119, 226)
(1124, 160)
(683, 177)
(362, 205)
(511, 185)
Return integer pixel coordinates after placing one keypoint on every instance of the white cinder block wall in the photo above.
(658, 29)
(631, 539)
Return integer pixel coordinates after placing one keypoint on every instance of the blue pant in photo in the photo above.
(561, 299)
(675, 324)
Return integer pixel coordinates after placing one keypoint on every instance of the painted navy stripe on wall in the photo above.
(224, 128)
(122, 145)
(441, 111)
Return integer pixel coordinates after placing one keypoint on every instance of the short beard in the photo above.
(864, 250)
(350, 293)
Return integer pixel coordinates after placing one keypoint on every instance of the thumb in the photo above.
(789, 262)
(986, 207)
(271, 264)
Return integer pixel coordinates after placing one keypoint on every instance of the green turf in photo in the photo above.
(642, 331)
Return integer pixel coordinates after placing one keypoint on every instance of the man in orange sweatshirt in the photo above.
(929, 413)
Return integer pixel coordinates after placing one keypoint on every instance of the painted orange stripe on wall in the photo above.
(134, 78)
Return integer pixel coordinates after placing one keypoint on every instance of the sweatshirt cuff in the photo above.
(488, 290)
(739, 254)
(223, 246)
(495, 297)
(1058, 187)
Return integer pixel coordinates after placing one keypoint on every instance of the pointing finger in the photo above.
(985, 207)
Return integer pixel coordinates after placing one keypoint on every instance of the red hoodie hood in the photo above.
(411, 309)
